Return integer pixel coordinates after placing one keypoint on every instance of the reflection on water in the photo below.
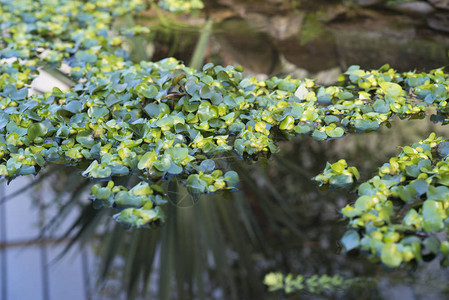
(221, 246)
(29, 263)
(270, 39)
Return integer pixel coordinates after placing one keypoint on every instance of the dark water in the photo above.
(273, 40)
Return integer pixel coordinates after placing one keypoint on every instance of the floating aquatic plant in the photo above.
(313, 284)
(163, 120)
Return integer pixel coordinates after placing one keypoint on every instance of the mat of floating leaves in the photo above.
(163, 120)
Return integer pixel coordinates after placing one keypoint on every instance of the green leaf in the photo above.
(390, 255)
(12, 127)
(195, 185)
(381, 106)
(433, 214)
(12, 139)
(163, 164)
(339, 166)
(4, 119)
(420, 186)
(111, 100)
(207, 166)
(19, 94)
(101, 172)
(85, 139)
(74, 106)
(98, 112)
(350, 240)
(260, 126)
(354, 73)
(63, 132)
(216, 98)
(287, 124)
(26, 170)
(331, 119)
(443, 148)
(151, 92)
(433, 244)
(302, 129)
(127, 199)
(286, 86)
(206, 92)
(152, 110)
(365, 125)
(345, 95)
(119, 170)
(391, 88)
(297, 112)
(407, 193)
(319, 135)
(102, 193)
(86, 57)
(365, 202)
(147, 160)
(141, 189)
(36, 130)
(205, 113)
(175, 169)
(335, 132)
(192, 87)
(231, 178)
(177, 154)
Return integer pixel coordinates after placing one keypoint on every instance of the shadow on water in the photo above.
(221, 246)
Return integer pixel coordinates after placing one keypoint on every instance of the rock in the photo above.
(278, 27)
(317, 54)
(284, 27)
(369, 2)
(441, 4)
(289, 68)
(417, 7)
(439, 21)
(371, 48)
(252, 49)
(328, 77)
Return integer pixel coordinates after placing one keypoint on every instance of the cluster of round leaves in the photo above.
(177, 6)
(37, 130)
(52, 31)
(143, 196)
(163, 120)
(72, 31)
(338, 175)
(314, 284)
(402, 214)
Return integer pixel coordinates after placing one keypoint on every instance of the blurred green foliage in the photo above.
(314, 284)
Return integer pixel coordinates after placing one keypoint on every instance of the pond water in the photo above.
(271, 40)
(221, 246)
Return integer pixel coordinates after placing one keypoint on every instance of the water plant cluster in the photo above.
(338, 175)
(162, 120)
(314, 284)
(181, 6)
(401, 213)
